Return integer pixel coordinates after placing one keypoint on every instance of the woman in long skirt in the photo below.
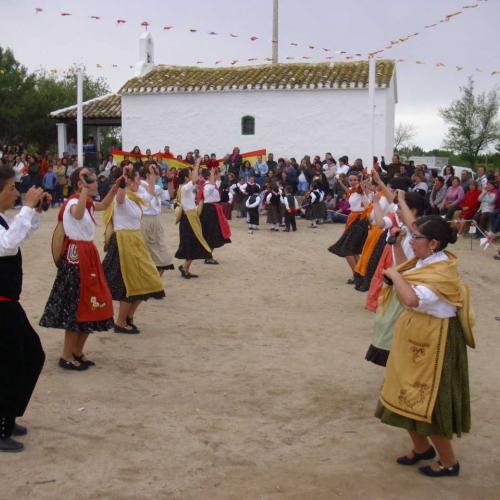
(215, 227)
(151, 227)
(192, 244)
(350, 244)
(80, 301)
(129, 269)
(426, 381)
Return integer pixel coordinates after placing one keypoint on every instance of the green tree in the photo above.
(31, 97)
(473, 124)
(14, 82)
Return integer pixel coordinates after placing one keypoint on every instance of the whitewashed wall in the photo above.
(287, 122)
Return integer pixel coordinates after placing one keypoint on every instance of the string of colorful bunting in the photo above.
(311, 46)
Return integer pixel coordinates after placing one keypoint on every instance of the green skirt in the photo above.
(452, 409)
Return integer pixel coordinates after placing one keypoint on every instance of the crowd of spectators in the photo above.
(462, 198)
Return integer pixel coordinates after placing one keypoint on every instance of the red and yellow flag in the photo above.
(251, 156)
(172, 162)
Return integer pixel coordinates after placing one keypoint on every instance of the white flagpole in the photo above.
(79, 116)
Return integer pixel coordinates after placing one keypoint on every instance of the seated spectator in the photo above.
(452, 199)
(337, 209)
(487, 200)
(464, 180)
(419, 185)
(469, 205)
(448, 174)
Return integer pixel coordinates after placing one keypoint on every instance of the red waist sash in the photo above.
(223, 223)
(7, 299)
(95, 302)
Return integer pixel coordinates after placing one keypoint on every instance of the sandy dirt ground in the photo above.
(248, 383)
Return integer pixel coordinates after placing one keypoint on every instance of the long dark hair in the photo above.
(183, 174)
(436, 228)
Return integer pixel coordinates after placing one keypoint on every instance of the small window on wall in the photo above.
(248, 125)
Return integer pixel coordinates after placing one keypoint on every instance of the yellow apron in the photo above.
(415, 364)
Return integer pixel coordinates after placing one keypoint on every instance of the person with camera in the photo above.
(80, 301)
(426, 380)
(21, 352)
(129, 269)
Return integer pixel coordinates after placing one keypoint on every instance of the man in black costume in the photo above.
(21, 353)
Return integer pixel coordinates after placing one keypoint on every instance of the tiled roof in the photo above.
(104, 107)
(282, 76)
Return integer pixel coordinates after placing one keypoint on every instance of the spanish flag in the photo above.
(172, 162)
(251, 156)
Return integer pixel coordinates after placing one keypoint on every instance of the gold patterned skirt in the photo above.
(452, 413)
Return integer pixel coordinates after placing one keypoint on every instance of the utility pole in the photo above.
(275, 32)
(372, 69)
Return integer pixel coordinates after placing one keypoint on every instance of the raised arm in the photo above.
(196, 168)
(380, 183)
(406, 214)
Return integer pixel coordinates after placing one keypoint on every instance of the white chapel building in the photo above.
(288, 109)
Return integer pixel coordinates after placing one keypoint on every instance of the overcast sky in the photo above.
(471, 40)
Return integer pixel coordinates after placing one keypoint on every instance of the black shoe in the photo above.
(427, 470)
(211, 261)
(189, 276)
(131, 331)
(426, 455)
(19, 430)
(350, 281)
(69, 365)
(10, 445)
(181, 269)
(82, 361)
(130, 322)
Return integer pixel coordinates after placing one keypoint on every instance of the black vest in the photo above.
(252, 189)
(11, 272)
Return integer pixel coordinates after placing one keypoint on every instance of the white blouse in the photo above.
(356, 201)
(83, 229)
(152, 203)
(127, 215)
(188, 196)
(429, 302)
(211, 193)
(20, 229)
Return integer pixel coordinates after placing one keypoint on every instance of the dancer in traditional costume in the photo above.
(426, 381)
(350, 244)
(131, 273)
(290, 206)
(315, 199)
(215, 227)
(151, 227)
(272, 203)
(192, 244)
(80, 301)
(21, 353)
(253, 204)
(398, 250)
(373, 247)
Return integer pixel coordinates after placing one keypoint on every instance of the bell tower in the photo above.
(146, 54)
